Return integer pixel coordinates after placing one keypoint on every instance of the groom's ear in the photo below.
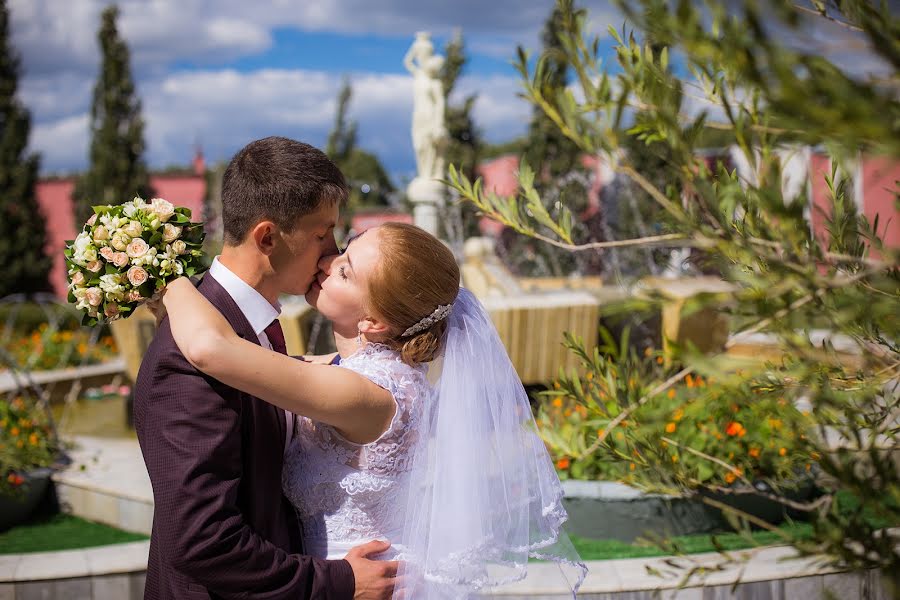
(263, 235)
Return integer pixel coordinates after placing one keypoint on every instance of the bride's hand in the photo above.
(156, 304)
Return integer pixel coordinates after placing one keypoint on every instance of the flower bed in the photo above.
(46, 348)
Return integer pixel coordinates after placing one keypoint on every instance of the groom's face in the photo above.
(312, 238)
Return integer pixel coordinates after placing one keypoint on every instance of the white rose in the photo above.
(94, 296)
(133, 229)
(107, 253)
(137, 276)
(179, 268)
(170, 232)
(78, 278)
(101, 233)
(81, 243)
(179, 247)
(94, 266)
(137, 248)
(111, 310)
(162, 208)
(79, 293)
(111, 283)
(119, 241)
(120, 259)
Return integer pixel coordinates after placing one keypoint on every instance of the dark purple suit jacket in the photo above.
(221, 526)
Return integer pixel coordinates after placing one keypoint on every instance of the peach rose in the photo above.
(170, 233)
(179, 247)
(137, 276)
(92, 220)
(94, 296)
(107, 253)
(162, 209)
(94, 266)
(78, 278)
(120, 259)
(111, 310)
(134, 296)
(137, 248)
(101, 233)
(133, 229)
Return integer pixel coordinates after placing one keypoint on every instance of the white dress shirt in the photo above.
(258, 312)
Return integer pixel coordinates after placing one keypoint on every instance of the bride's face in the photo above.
(340, 289)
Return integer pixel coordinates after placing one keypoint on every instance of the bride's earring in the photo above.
(359, 338)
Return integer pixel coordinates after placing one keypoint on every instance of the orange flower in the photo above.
(659, 360)
(730, 477)
(648, 351)
(33, 439)
(557, 402)
(600, 432)
(754, 452)
(670, 427)
(688, 380)
(631, 466)
(556, 385)
(674, 458)
(14, 431)
(568, 413)
(562, 463)
(678, 414)
(734, 428)
(782, 451)
(671, 393)
(589, 376)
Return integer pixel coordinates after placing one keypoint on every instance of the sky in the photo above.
(221, 73)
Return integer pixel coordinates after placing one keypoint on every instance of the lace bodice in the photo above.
(346, 493)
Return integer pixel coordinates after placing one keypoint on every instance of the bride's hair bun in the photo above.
(417, 274)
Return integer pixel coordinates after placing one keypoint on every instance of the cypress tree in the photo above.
(22, 226)
(117, 171)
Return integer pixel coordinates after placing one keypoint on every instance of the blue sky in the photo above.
(221, 73)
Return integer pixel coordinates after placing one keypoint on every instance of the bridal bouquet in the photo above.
(125, 255)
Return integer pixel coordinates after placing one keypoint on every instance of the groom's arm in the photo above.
(195, 465)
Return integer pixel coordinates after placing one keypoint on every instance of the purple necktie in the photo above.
(276, 337)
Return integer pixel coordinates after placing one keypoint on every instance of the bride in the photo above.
(452, 474)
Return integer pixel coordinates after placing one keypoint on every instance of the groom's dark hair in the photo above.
(278, 179)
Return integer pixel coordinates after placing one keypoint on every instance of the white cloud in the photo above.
(225, 109)
(63, 144)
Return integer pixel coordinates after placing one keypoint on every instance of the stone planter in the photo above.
(611, 510)
(17, 508)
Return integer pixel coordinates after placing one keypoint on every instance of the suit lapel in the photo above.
(222, 300)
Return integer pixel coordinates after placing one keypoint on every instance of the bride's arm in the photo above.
(358, 408)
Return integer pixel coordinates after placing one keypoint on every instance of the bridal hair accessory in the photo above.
(439, 314)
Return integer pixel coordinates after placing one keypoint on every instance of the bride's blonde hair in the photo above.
(416, 274)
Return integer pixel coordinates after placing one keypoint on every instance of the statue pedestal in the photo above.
(427, 195)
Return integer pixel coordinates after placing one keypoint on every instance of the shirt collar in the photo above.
(257, 310)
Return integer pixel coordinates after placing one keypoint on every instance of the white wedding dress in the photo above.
(348, 494)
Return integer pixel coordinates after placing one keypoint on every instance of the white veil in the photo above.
(484, 495)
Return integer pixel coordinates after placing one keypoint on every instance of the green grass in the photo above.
(61, 532)
(690, 544)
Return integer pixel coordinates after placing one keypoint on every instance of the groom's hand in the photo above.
(374, 578)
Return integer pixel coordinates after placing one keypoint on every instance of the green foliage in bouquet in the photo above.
(126, 254)
(27, 441)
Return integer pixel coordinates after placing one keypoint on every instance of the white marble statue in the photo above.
(428, 131)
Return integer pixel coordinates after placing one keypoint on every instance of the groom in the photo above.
(221, 526)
